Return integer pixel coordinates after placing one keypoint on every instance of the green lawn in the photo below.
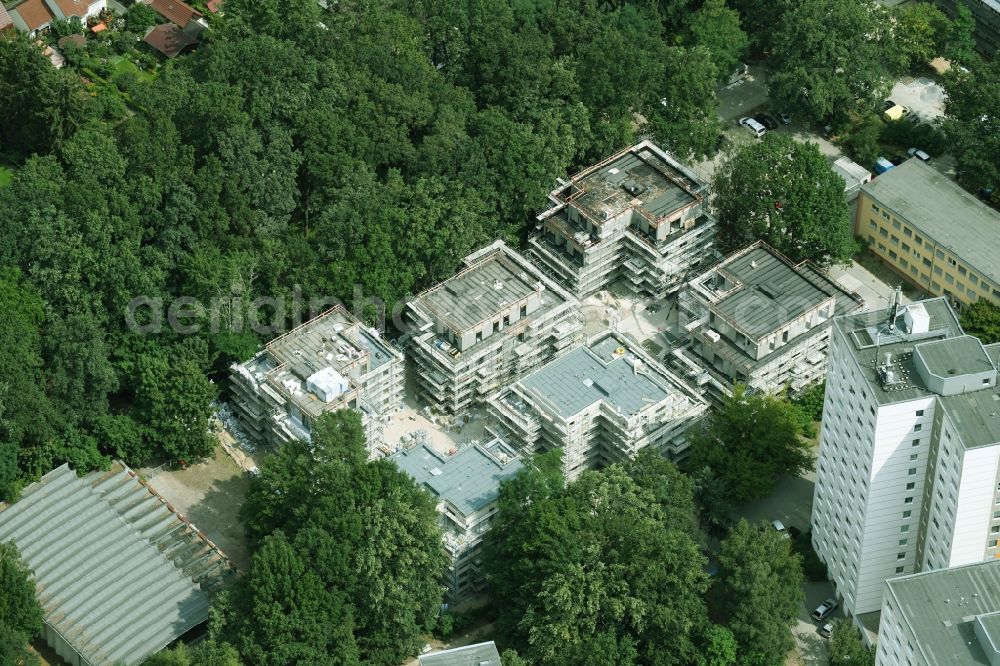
(5, 175)
(123, 65)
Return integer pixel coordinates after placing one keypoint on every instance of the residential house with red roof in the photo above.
(33, 15)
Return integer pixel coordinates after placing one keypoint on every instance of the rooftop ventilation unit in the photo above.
(633, 188)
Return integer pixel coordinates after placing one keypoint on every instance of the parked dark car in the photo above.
(824, 609)
(897, 160)
(767, 121)
(888, 104)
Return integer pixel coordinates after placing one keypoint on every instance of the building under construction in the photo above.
(639, 216)
(328, 363)
(465, 485)
(755, 318)
(484, 327)
(600, 403)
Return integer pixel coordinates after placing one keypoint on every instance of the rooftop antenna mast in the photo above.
(894, 299)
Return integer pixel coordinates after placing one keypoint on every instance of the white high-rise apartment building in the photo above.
(907, 476)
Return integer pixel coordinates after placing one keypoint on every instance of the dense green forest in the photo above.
(356, 151)
(370, 146)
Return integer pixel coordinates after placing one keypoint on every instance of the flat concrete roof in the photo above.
(479, 293)
(963, 355)
(470, 479)
(605, 371)
(941, 606)
(774, 292)
(639, 177)
(976, 416)
(869, 339)
(940, 209)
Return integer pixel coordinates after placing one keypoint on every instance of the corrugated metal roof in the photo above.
(481, 654)
(119, 575)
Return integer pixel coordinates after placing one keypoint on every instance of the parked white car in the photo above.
(754, 126)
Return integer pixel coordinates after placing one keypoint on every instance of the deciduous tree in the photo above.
(829, 56)
(972, 124)
(760, 581)
(20, 614)
(749, 442)
(571, 570)
(982, 319)
(784, 192)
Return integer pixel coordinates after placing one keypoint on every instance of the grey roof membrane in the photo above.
(115, 569)
(976, 414)
(481, 654)
(963, 355)
(469, 479)
(774, 292)
(940, 607)
(865, 346)
(479, 293)
(942, 210)
(578, 379)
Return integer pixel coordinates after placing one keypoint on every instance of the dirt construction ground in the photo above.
(209, 495)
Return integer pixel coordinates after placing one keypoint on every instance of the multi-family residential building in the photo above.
(907, 475)
(486, 326)
(330, 362)
(950, 617)
(932, 232)
(638, 215)
(465, 485)
(756, 318)
(599, 403)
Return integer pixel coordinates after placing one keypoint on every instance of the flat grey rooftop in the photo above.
(774, 292)
(659, 188)
(976, 416)
(963, 355)
(941, 606)
(940, 209)
(865, 346)
(479, 293)
(605, 371)
(117, 573)
(469, 479)
(481, 654)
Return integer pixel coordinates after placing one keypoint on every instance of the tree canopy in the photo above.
(749, 442)
(828, 56)
(20, 614)
(972, 124)
(347, 559)
(846, 647)
(982, 319)
(783, 192)
(571, 567)
(760, 587)
(358, 149)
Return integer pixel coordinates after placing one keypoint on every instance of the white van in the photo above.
(754, 126)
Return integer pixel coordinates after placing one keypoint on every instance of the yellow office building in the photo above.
(930, 230)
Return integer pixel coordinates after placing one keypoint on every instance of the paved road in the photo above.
(872, 288)
(922, 96)
(741, 98)
(812, 646)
